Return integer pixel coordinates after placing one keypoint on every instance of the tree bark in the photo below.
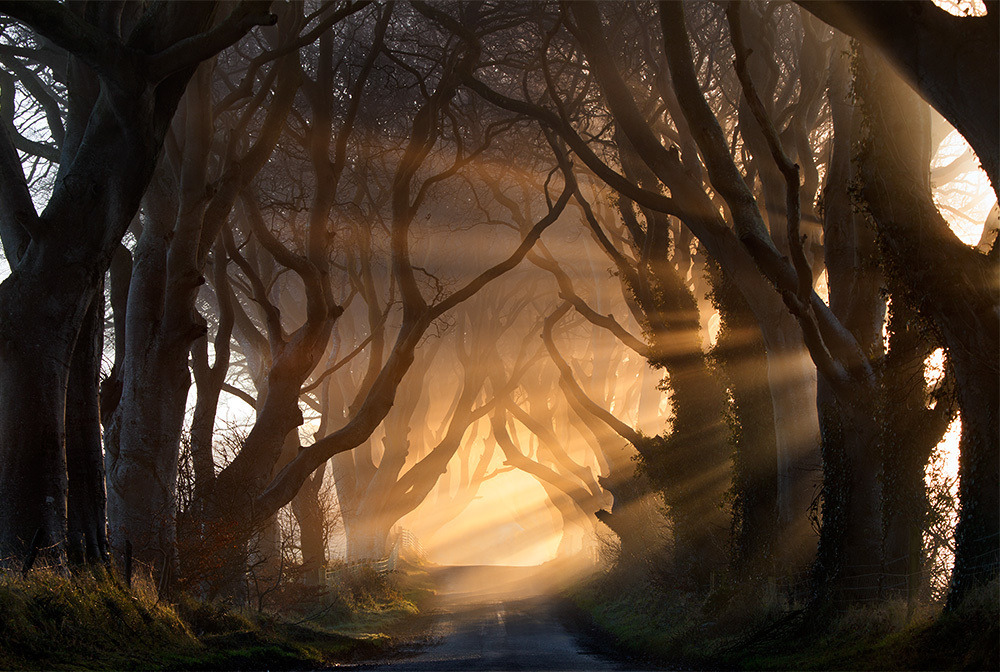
(740, 355)
(311, 517)
(87, 539)
(144, 442)
(43, 309)
(915, 421)
(107, 161)
(952, 284)
(849, 564)
(954, 62)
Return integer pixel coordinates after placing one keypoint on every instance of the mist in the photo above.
(674, 313)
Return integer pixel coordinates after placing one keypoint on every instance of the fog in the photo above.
(698, 294)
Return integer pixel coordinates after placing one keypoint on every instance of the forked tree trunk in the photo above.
(955, 287)
(849, 566)
(144, 440)
(208, 381)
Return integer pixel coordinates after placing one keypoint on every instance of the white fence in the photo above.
(404, 545)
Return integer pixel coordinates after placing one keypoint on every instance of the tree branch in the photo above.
(789, 169)
(566, 375)
(19, 221)
(191, 51)
(57, 23)
(237, 392)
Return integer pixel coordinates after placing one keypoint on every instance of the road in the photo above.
(499, 618)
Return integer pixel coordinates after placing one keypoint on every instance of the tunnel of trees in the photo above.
(712, 285)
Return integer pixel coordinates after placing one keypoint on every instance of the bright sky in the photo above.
(962, 7)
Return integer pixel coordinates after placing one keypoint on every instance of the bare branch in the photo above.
(566, 375)
(789, 169)
(240, 394)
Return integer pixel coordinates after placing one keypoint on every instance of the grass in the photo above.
(657, 626)
(89, 620)
(367, 606)
(643, 623)
(882, 637)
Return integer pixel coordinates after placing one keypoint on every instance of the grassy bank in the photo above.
(657, 627)
(90, 621)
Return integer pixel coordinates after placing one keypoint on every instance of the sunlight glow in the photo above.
(822, 287)
(495, 528)
(934, 368)
(962, 7)
(966, 198)
(941, 477)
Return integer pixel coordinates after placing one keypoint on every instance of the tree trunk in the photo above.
(144, 443)
(209, 380)
(739, 353)
(977, 552)
(142, 477)
(87, 539)
(208, 383)
(345, 480)
(696, 470)
(954, 285)
(914, 422)
(630, 490)
(107, 160)
(693, 462)
(42, 309)
(311, 517)
(849, 565)
(369, 537)
(791, 379)
(278, 420)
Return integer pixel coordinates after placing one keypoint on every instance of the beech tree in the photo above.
(790, 399)
(127, 71)
(761, 251)
(259, 480)
(951, 60)
(721, 351)
(953, 284)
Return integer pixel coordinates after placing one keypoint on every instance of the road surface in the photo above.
(499, 618)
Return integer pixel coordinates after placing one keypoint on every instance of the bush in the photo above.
(211, 618)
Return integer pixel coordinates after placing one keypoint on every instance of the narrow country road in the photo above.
(499, 618)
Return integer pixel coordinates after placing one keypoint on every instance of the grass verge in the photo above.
(654, 627)
(52, 621)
